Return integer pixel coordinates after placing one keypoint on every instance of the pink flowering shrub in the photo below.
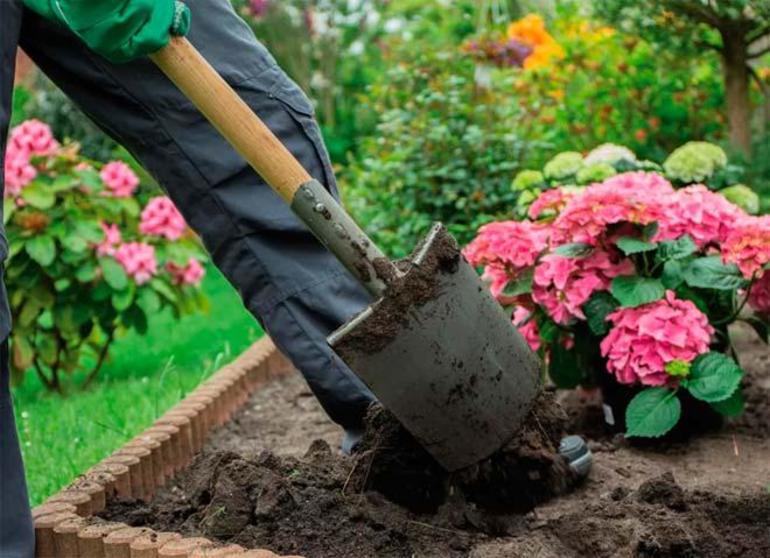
(632, 280)
(85, 259)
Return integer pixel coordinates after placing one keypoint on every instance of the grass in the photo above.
(145, 375)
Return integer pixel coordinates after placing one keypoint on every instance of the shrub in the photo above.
(444, 150)
(633, 278)
(85, 260)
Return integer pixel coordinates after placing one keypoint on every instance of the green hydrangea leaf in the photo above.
(733, 406)
(633, 290)
(711, 273)
(677, 249)
(574, 250)
(652, 413)
(564, 367)
(672, 274)
(713, 377)
(596, 310)
(521, 285)
(630, 245)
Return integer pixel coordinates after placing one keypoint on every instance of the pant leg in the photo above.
(297, 290)
(17, 537)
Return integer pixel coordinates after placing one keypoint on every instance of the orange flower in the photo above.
(531, 31)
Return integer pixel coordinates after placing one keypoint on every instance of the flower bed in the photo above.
(66, 525)
(630, 277)
(263, 481)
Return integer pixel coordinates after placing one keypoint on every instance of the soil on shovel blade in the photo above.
(273, 477)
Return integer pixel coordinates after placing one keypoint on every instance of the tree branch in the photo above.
(698, 13)
(761, 52)
(758, 34)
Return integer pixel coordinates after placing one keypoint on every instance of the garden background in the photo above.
(431, 110)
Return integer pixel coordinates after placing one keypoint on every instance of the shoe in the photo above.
(575, 450)
(350, 440)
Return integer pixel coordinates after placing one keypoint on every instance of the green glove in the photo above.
(119, 30)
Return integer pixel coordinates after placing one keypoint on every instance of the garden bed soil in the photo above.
(273, 478)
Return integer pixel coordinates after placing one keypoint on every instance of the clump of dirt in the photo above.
(527, 471)
(417, 286)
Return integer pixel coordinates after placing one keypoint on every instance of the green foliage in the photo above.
(443, 151)
(633, 290)
(652, 413)
(67, 300)
(709, 272)
(714, 377)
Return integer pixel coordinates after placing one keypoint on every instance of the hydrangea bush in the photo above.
(695, 162)
(633, 278)
(85, 260)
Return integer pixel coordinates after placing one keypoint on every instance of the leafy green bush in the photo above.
(444, 150)
(86, 261)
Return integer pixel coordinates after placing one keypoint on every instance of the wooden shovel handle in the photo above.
(229, 114)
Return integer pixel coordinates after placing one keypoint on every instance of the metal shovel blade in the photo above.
(455, 372)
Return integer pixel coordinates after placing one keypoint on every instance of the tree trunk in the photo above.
(736, 76)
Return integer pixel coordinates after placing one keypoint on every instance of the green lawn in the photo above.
(145, 376)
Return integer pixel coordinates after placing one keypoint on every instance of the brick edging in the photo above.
(148, 462)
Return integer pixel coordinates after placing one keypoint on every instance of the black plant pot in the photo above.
(697, 417)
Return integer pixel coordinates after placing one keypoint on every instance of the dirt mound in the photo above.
(391, 499)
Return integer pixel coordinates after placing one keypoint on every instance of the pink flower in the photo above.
(748, 245)
(259, 8)
(112, 238)
(161, 218)
(138, 259)
(119, 179)
(759, 297)
(33, 138)
(190, 274)
(706, 216)
(497, 277)
(527, 327)
(643, 340)
(552, 200)
(632, 197)
(508, 244)
(562, 285)
(18, 171)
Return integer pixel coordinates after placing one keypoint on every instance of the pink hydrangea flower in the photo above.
(112, 238)
(497, 277)
(748, 245)
(527, 327)
(508, 244)
(632, 197)
(562, 285)
(33, 138)
(161, 218)
(190, 274)
(705, 215)
(759, 297)
(18, 172)
(138, 260)
(551, 200)
(119, 179)
(643, 340)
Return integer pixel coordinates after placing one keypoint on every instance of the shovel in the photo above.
(434, 346)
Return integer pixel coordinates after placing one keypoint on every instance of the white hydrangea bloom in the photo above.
(610, 154)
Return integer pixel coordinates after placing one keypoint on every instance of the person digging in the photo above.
(96, 52)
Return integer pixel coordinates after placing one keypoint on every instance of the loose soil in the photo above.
(274, 478)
